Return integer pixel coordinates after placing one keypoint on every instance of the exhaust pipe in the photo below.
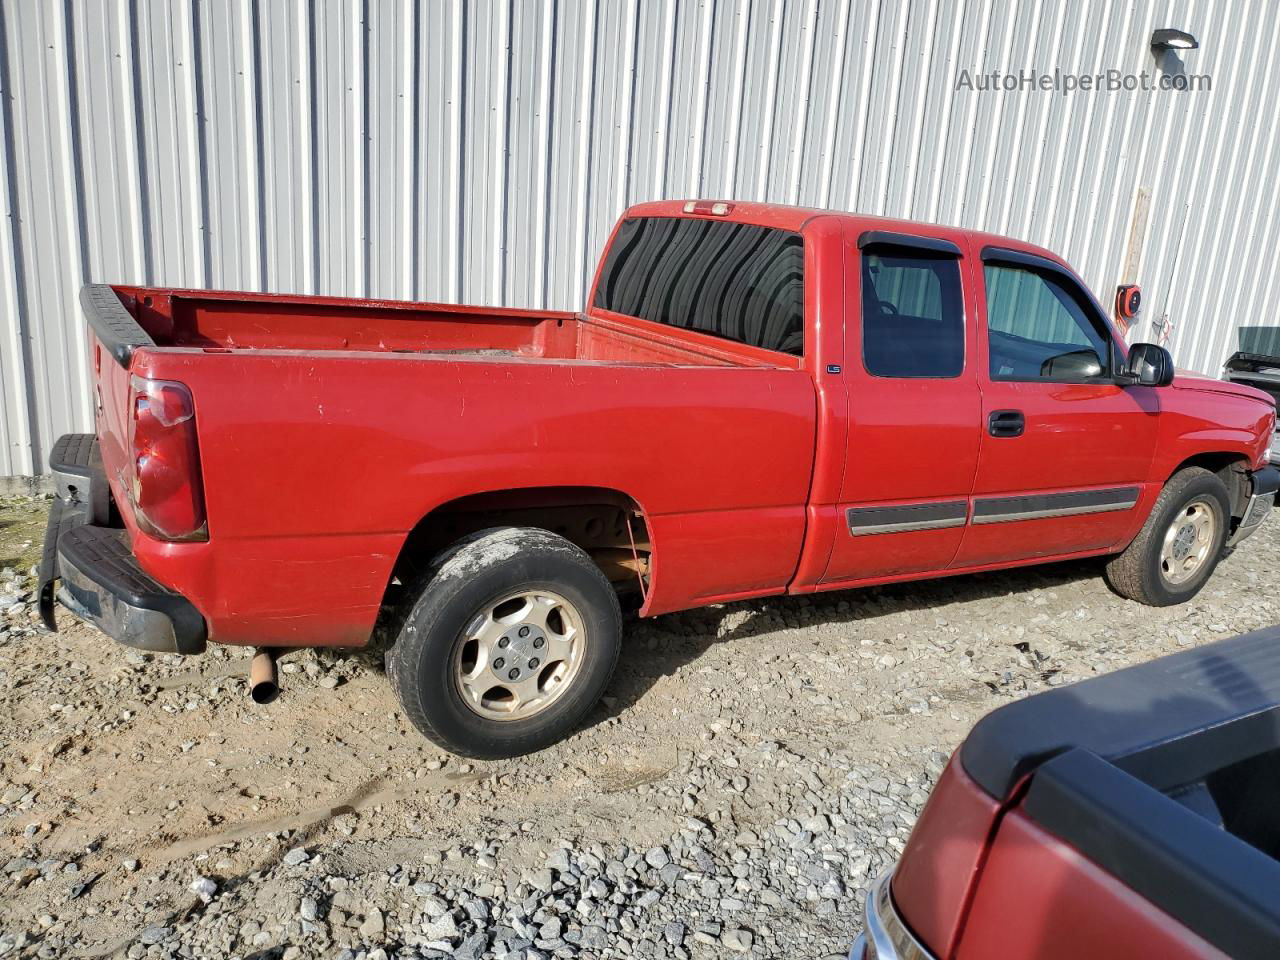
(264, 683)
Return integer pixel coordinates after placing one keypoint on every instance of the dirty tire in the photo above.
(463, 581)
(1136, 573)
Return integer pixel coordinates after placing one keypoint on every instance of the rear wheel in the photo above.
(1180, 544)
(510, 642)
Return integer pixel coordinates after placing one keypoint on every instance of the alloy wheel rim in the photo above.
(519, 655)
(1187, 542)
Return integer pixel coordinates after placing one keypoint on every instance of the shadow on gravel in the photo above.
(653, 649)
(657, 648)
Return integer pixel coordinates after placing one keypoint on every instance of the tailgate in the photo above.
(116, 335)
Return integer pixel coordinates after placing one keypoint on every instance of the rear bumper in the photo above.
(1266, 483)
(102, 582)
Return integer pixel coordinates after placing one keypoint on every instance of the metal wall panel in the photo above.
(480, 151)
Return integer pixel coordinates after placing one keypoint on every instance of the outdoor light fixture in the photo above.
(1167, 39)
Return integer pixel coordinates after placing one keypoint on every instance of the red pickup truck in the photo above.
(1135, 814)
(756, 400)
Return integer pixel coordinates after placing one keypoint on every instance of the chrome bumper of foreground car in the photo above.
(885, 936)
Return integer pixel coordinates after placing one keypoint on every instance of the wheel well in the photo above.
(1232, 469)
(609, 525)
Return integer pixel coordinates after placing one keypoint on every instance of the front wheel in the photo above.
(509, 644)
(1180, 544)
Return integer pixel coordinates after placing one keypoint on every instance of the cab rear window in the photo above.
(731, 280)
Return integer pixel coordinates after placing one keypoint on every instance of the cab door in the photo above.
(913, 408)
(1066, 451)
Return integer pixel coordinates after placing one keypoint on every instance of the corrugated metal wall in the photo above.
(479, 151)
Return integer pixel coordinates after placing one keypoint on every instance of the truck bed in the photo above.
(328, 429)
(227, 320)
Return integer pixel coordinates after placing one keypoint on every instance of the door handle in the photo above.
(1006, 423)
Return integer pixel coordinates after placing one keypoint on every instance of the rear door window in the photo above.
(736, 281)
(912, 314)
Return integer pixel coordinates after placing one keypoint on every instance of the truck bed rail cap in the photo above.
(112, 323)
(1167, 722)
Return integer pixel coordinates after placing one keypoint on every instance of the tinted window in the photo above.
(912, 314)
(1038, 328)
(730, 280)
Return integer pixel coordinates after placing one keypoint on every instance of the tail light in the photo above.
(168, 494)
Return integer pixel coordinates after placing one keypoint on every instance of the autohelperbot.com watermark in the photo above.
(1066, 82)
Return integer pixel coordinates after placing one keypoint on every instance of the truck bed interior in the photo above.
(221, 321)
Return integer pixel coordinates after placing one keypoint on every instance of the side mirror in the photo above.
(1076, 365)
(1149, 366)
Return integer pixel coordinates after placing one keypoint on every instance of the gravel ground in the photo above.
(752, 769)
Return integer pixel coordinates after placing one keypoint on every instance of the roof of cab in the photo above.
(786, 217)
